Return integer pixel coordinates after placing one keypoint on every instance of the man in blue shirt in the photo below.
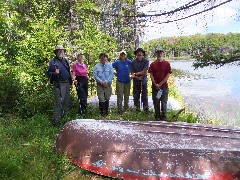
(59, 73)
(122, 67)
(103, 74)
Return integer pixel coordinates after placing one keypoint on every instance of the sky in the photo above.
(223, 19)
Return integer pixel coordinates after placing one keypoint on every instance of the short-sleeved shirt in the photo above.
(123, 70)
(138, 66)
(159, 71)
(80, 69)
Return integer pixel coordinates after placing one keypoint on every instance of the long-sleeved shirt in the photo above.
(64, 70)
(103, 72)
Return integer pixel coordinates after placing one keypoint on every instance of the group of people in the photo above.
(63, 76)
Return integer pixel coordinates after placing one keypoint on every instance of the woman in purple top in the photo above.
(81, 78)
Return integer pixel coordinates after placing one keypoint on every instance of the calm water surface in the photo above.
(210, 91)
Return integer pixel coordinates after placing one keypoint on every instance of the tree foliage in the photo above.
(30, 31)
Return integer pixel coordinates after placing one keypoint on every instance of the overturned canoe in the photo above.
(152, 150)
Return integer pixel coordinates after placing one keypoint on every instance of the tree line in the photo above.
(214, 49)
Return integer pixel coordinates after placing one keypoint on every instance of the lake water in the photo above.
(210, 91)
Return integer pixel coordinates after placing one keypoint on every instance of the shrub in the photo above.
(9, 90)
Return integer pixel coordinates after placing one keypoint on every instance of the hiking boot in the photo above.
(102, 108)
(147, 112)
(158, 119)
(164, 117)
(106, 106)
(56, 123)
(138, 109)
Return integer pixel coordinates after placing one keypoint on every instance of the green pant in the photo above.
(122, 90)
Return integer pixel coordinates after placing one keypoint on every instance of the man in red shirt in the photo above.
(160, 71)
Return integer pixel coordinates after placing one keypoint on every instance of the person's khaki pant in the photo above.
(104, 93)
(122, 90)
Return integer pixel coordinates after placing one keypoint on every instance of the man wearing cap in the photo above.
(59, 73)
(139, 69)
(81, 78)
(122, 67)
(103, 74)
(160, 71)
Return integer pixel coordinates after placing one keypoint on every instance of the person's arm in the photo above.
(73, 73)
(131, 71)
(164, 79)
(96, 74)
(154, 83)
(69, 71)
(74, 77)
(152, 79)
(142, 73)
(111, 75)
(88, 78)
(51, 70)
(114, 65)
(145, 69)
(133, 74)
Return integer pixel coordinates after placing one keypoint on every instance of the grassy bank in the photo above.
(26, 151)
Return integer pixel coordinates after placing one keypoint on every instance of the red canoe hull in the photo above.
(150, 150)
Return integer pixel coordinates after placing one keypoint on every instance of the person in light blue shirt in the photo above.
(122, 67)
(103, 74)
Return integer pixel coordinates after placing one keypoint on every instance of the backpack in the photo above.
(51, 78)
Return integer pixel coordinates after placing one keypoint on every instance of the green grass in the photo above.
(26, 151)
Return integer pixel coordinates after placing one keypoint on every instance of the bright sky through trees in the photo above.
(223, 19)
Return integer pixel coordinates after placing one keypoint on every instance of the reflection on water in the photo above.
(214, 92)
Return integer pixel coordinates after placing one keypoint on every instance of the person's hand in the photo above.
(157, 86)
(75, 81)
(140, 78)
(133, 76)
(57, 71)
(160, 84)
(104, 84)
